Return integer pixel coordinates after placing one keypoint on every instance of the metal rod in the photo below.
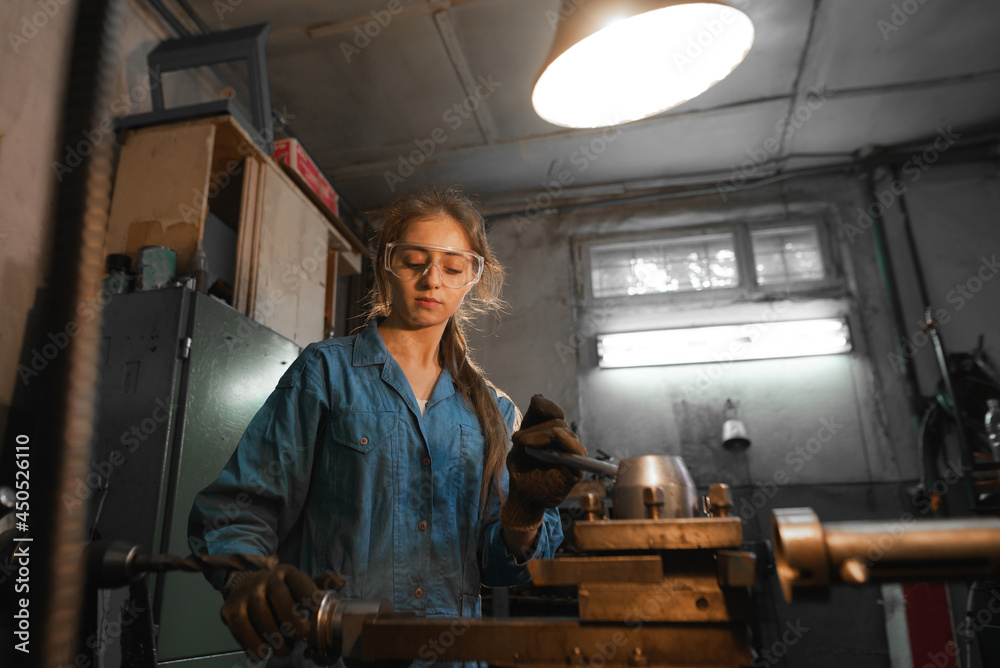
(956, 404)
(588, 464)
(810, 555)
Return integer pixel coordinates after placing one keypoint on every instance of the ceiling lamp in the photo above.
(614, 61)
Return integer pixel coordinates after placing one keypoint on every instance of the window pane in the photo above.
(665, 265)
(787, 254)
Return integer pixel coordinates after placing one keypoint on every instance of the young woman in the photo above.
(381, 456)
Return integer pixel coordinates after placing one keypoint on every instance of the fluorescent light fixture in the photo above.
(725, 343)
(617, 61)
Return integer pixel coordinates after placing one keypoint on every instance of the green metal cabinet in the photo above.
(182, 374)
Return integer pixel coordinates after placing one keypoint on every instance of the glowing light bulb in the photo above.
(643, 65)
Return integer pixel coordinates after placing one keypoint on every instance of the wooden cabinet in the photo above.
(173, 179)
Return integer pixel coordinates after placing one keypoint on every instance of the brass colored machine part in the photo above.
(683, 601)
(810, 555)
(556, 643)
(720, 500)
(692, 533)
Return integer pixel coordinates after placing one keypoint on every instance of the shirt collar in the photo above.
(369, 348)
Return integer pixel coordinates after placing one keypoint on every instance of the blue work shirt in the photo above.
(340, 471)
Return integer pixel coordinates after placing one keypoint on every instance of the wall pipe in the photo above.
(888, 275)
(985, 147)
(911, 242)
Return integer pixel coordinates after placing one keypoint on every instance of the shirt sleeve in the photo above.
(499, 568)
(257, 499)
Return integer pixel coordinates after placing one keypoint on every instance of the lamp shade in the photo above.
(613, 62)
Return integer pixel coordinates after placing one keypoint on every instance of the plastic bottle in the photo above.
(993, 427)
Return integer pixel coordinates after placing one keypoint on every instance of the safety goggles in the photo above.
(458, 268)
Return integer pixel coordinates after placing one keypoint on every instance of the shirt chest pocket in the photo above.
(363, 431)
(359, 455)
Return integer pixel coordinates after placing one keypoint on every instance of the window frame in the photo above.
(747, 288)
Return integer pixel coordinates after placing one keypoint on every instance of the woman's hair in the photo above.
(483, 298)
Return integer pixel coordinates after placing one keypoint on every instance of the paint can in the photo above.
(157, 267)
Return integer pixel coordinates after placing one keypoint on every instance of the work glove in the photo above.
(536, 485)
(270, 608)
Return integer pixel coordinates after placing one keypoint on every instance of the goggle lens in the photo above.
(457, 268)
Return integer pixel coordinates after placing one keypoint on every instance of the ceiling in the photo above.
(825, 79)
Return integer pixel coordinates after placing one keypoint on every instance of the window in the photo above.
(752, 257)
(787, 254)
(666, 265)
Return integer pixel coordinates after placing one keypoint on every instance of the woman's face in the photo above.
(426, 301)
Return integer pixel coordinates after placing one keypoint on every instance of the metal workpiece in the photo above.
(810, 555)
(556, 643)
(645, 487)
(665, 534)
(654, 487)
(337, 624)
(112, 564)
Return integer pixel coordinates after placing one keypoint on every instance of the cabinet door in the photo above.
(234, 365)
(290, 282)
(125, 487)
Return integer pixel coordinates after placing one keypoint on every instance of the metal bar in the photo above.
(956, 405)
(555, 642)
(933, 547)
(809, 555)
(575, 570)
(588, 464)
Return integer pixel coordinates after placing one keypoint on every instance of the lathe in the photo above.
(665, 582)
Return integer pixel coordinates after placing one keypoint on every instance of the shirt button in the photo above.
(426, 461)
(422, 525)
(364, 440)
(418, 592)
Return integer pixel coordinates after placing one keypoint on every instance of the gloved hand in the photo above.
(536, 485)
(270, 608)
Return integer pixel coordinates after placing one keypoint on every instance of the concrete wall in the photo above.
(32, 78)
(547, 344)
